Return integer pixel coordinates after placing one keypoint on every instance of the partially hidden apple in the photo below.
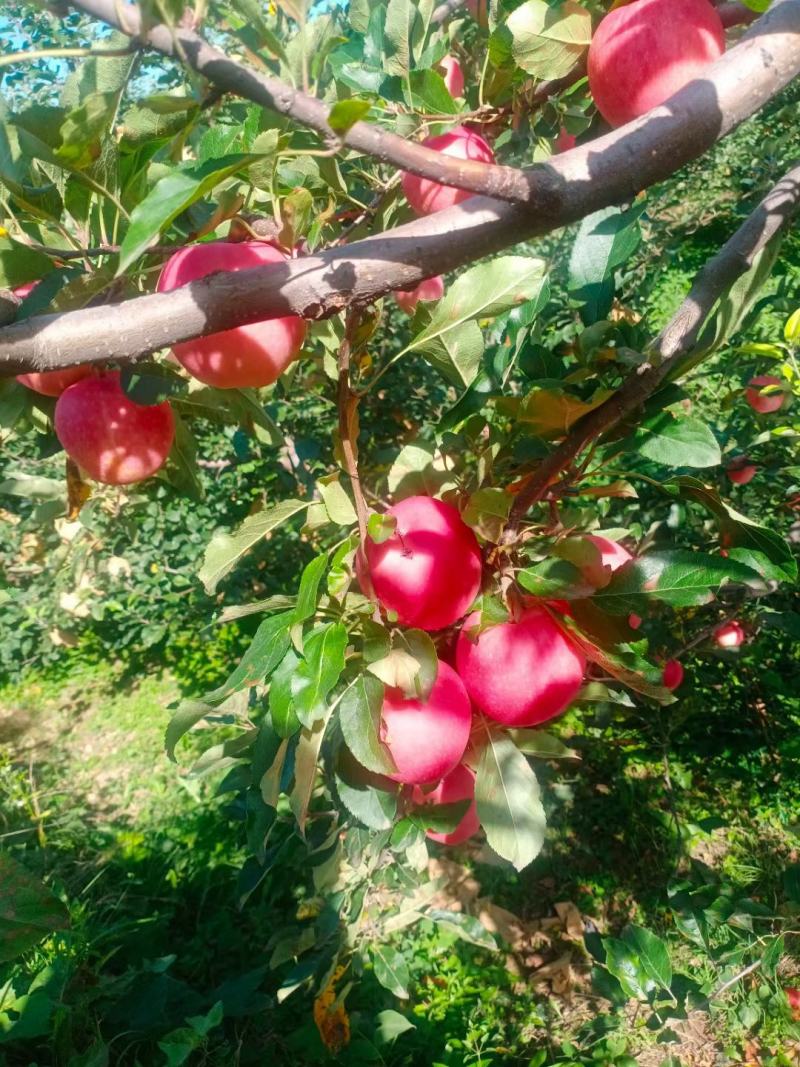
(765, 403)
(458, 785)
(730, 634)
(429, 570)
(113, 439)
(427, 291)
(427, 738)
(564, 142)
(644, 52)
(453, 76)
(245, 356)
(521, 672)
(50, 382)
(741, 471)
(426, 196)
(672, 675)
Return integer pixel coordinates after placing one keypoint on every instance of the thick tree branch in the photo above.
(675, 341)
(609, 170)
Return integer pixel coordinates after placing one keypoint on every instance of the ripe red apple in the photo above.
(113, 439)
(426, 739)
(634, 621)
(730, 634)
(647, 50)
(426, 196)
(564, 141)
(792, 994)
(252, 355)
(459, 784)
(520, 673)
(453, 76)
(764, 403)
(741, 472)
(612, 553)
(429, 570)
(429, 290)
(50, 382)
(672, 675)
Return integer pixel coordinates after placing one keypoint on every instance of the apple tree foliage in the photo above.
(131, 154)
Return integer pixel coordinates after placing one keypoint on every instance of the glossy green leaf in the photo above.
(547, 40)
(555, 578)
(675, 441)
(337, 503)
(651, 952)
(318, 671)
(268, 647)
(677, 577)
(389, 1025)
(456, 353)
(346, 113)
(187, 714)
(426, 91)
(622, 962)
(509, 804)
(20, 264)
(170, 196)
(604, 241)
(226, 549)
(360, 720)
(308, 592)
(375, 808)
(541, 744)
(305, 770)
(281, 704)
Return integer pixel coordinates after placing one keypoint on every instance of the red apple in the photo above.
(612, 553)
(252, 355)
(647, 50)
(50, 382)
(426, 739)
(453, 76)
(520, 673)
(113, 439)
(634, 621)
(564, 141)
(459, 784)
(792, 994)
(741, 472)
(672, 675)
(764, 403)
(429, 290)
(429, 570)
(730, 634)
(426, 196)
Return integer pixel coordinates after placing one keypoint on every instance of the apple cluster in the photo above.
(427, 574)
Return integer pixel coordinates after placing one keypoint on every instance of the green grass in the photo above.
(147, 861)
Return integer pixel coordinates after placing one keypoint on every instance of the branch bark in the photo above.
(610, 170)
(675, 341)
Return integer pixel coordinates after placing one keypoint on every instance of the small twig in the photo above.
(736, 978)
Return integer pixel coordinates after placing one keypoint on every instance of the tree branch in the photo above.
(675, 341)
(610, 170)
(347, 404)
(443, 12)
(501, 182)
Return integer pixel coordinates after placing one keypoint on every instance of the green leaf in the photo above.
(337, 503)
(466, 927)
(509, 805)
(555, 578)
(305, 770)
(622, 962)
(19, 263)
(28, 910)
(547, 41)
(225, 549)
(678, 577)
(677, 442)
(602, 244)
(418, 470)
(381, 527)
(296, 214)
(483, 291)
(318, 671)
(187, 715)
(389, 1025)
(170, 196)
(85, 128)
(253, 14)
(541, 744)
(33, 192)
(487, 512)
(308, 593)
(346, 113)
(390, 969)
(281, 704)
(651, 952)
(360, 720)
(426, 91)
(411, 666)
(404, 31)
(455, 354)
(758, 547)
(375, 808)
(33, 486)
(268, 647)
